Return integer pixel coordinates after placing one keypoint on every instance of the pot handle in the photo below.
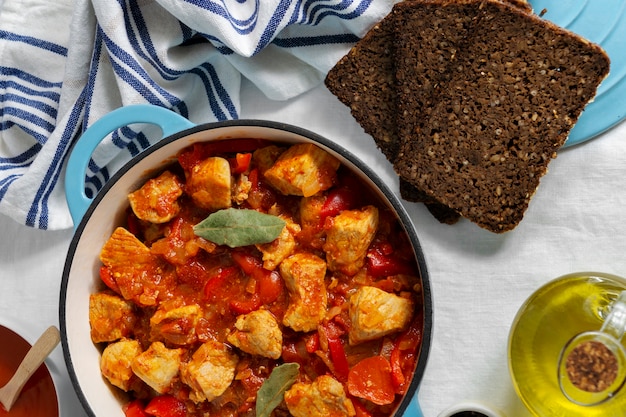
(413, 409)
(167, 120)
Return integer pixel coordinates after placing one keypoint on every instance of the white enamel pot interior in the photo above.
(96, 219)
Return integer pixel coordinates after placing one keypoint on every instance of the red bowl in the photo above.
(38, 397)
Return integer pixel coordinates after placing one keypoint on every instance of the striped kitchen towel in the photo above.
(65, 63)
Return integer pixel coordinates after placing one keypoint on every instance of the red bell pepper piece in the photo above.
(216, 284)
(403, 352)
(396, 369)
(339, 359)
(291, 353)
(191, 157)
(411, 338)
(248, 263)
(269, 284)
(200, 151)
(107, 277)
(371, 379)
(254, 179)
(338, 200)
(332, 330)
(240, 163)
(380, 264)
(245, 306)
(166, 406)
(382, 247)
(313, 343)
(360, 409)
(134, 409)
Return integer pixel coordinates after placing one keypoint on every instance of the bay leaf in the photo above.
(271, 393)
(239, 227)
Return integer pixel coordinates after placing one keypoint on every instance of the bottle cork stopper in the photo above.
(592, 366)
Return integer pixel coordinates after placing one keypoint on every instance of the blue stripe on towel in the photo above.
(26, 101)
(24, 159)
(91, 80)
(273, 24)
(143, 40)
(36, 42)
(212, 83)
(315, 10)
(38, 212)
(213, 87)
(25, 90)
(38, 136)
(142, 141)
(5, 183)
(135, 76)
(30, 119)
(241, 26)
(6, 72)
(94, 183)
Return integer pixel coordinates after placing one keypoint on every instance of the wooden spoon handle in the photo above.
(31, 362)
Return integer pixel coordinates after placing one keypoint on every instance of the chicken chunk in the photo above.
(134, 268)
(348, 238)
(210, 371)
(158, 366)
(209, 184)
(258, 333)
(280, 248)
(176, 325)
(375, 313)
(303, 170)
(324, 397)
(116, 361)
(124, 250)
(266, 156)
(157, 200)
(304, 275)
(110, 317)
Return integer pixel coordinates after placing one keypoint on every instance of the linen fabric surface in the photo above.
(64, 64)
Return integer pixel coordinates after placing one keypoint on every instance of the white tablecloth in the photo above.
(575, 222)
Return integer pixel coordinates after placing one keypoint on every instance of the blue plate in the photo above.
(602, 22)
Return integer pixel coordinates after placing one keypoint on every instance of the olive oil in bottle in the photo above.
(543, 337)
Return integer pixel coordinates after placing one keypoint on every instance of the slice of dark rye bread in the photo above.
(480, 140)
(364, 80)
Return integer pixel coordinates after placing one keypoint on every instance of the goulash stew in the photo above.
(258, 279)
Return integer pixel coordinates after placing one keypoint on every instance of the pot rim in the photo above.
(393, 200)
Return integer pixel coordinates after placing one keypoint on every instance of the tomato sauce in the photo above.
(38, 397)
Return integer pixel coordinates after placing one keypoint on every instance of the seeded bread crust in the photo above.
(513, 88)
